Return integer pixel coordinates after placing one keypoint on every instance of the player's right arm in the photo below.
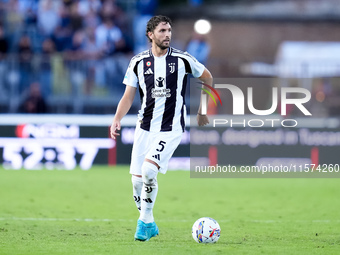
(122, 109)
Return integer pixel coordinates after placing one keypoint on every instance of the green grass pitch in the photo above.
(92, 212)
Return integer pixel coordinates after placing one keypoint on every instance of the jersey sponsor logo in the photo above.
(159, 82)
(172, 67)
(160, 93)
(149, 71)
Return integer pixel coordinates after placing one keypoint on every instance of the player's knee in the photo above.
(137, 181)
(149, 172)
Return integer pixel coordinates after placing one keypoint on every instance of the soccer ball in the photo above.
(206, 230)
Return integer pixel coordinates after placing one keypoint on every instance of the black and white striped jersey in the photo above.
(162, 84)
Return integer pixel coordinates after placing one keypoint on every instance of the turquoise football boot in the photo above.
(152, 230)
(145, 231)
(141, 232)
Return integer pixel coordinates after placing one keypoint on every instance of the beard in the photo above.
(161, 45)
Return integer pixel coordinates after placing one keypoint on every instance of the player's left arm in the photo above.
(206, 78)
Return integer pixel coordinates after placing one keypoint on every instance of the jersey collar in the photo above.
(167, 54)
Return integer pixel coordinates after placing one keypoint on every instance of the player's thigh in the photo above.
(140, 147)
(162, 147)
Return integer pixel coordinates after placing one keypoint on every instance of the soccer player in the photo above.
(160, 75)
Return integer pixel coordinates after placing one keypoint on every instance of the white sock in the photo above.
(137, 185)
(149, 191)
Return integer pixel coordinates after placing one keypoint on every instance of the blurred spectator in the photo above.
(4, 47)
(146, 9)
(64, 44)
(13, 21)
(119, 17)
(109, 9)
(109, 37)
(92, 54)
(87, 6)
(28, 9)
(48, 16)
(199, 47)
(34, 102)
(110, 41)
(74, 60)
(91, 19)
(75, 52)
(14, 16)
(25, 52)
(62, 34)
(67, 2)
(76, 20)
(45, 75)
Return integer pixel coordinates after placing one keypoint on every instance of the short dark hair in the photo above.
(153, 23)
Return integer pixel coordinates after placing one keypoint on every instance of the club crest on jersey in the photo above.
(148, 63)
(159, 82)
(172, 67)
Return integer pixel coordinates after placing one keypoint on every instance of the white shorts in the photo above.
(157, 147)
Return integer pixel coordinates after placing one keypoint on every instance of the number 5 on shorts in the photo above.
(161, 143)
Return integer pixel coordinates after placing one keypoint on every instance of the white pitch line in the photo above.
(160, 220)
(62, 219)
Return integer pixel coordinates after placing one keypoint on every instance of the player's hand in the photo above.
(202, 120)
(115, 127)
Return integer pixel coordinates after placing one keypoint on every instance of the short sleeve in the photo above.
(130, 77)
(197, 68)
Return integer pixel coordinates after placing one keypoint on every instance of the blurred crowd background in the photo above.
(70, 56)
